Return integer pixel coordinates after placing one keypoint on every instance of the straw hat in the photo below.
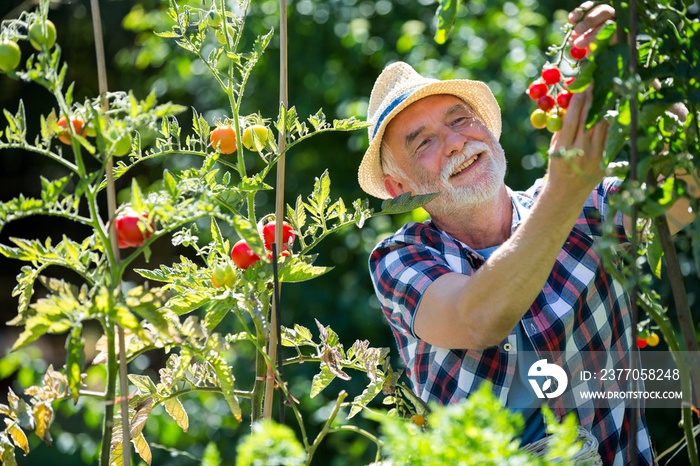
(396, 88)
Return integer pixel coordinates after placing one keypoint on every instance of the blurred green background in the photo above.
(336, 50)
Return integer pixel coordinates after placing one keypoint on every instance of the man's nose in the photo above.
(454, 143)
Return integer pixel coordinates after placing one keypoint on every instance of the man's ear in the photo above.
(393, 186)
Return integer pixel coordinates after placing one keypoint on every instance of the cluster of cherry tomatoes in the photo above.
(645, 339)
(119, 140)
(41, 34)
(550, 92)
(244, 257)
(254, 138)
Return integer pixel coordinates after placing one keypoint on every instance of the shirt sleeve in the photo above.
(401, 272)
(601, 199)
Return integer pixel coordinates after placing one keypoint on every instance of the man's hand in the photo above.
(575, 153)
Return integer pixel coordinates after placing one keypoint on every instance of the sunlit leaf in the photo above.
(175, 409)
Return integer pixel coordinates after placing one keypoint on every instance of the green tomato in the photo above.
(121, 146)
(10, 56)
(255, 137)
(554, 121)
(42, 35)
(221, 36)
(214, 19)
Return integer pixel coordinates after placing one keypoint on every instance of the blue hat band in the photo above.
(394, 103)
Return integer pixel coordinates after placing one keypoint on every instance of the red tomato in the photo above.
(64, 133)
(242, 255)
(224, 138)
(578, 53)
(128, 232)
(537, 90)
(546, 102)
(551, 74)
(268, 234)
(564, 98)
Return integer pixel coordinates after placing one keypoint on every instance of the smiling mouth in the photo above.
(466, 165)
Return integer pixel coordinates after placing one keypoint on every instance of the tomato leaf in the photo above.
(226, 382)
(446, 14)
(367, 395)
(175, 409)
(17, 434)
(321, 380)
(74, 361)
(405, 203)
(43, 414)
(142, 448)
(144, 384)
(299, 271)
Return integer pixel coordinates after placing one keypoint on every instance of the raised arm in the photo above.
(479, 311)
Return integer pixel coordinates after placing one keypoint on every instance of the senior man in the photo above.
(497, 278)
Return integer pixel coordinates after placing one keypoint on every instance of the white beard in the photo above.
(453, 199)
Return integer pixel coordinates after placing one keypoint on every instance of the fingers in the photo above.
(599, 137)
(575, 119)
(587, 24)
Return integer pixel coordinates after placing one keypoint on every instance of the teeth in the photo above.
(465, 165)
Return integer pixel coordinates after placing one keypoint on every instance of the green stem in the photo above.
(110, 392)
(47, 153)
(256, 398)
(327, 426)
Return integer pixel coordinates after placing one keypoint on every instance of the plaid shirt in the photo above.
(581, 308)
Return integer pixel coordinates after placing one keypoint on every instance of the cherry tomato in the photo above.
(10, 56)
(224, 138)
(546, 102)
(64, 133)
(128, 232)
(418, 419)
(254, 137)
(653, 339)
(554, 121)
(42, 34)
(268, 234)
(564, 98)
(242, 255)
(214, 19)
(641, 343)
(121, 145)
(538, 119)
(537, 90)
(221, 35)
(578, 53)
(568, 81)
(551, 74)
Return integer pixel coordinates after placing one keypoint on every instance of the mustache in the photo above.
(470, 149)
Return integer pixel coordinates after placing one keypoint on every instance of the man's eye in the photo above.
(461, 121)
(422, 144)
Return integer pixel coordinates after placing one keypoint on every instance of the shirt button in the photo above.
(507, 347)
